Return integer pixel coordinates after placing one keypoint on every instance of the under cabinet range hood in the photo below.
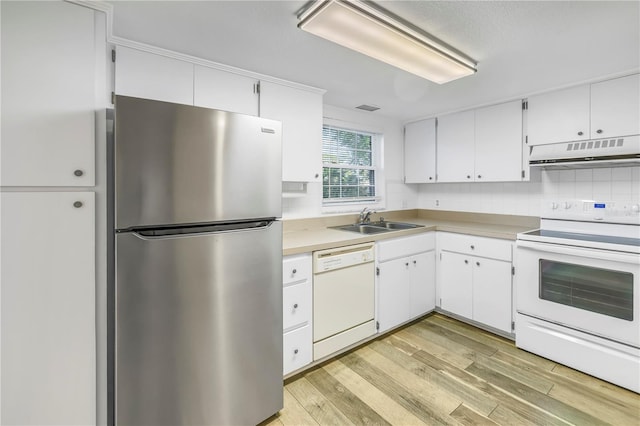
(610, 152)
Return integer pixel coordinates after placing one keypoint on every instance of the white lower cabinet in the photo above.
(405, 279)
(475, 279)
(48, 336)
(297, 349)
(456, 284)
(297, 302)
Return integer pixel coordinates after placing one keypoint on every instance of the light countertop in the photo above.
(307, 235)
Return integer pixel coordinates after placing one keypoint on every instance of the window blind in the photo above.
(348, 173)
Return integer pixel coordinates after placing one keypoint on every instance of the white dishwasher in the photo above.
(343, 297)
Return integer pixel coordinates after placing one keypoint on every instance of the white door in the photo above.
(615, 107)
(499, 143)
(422, 284)
(146, 75)
(48, 308)
(50, 72)
(456, 284)
(456, 147)
(223, 90)
(300, 112)
(420, 152)
(492, 293)
(393, 294)
(559, 116)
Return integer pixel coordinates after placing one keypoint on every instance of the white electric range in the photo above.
(578, 288)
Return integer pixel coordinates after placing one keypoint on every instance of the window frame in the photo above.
(377, 143)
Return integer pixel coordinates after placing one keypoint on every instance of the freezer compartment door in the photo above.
(183, 164)
(198, 327)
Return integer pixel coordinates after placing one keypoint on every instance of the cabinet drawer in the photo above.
(405, 246)
(477, 246)
(296, 305)
(296, 268)
(296, 349)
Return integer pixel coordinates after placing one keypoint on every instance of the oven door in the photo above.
(595, 291)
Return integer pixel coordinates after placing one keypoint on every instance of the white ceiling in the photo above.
(521, 47)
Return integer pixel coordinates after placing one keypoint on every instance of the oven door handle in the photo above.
(610, 255)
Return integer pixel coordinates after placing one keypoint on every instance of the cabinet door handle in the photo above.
(406, 264)
(430, 177)
(479, 176)
(466, 262)
(295, 306)
(78, 172)
(599, 131)
(468, 176)
(295, 351)
(415, 261)
(580, 133)
(473, 247)
(477, 263)
(294, 271)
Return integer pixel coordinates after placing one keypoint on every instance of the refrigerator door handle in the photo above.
(178, 231)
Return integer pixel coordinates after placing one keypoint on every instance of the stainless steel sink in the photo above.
(396, 225)
(377, 227)
(362, 228)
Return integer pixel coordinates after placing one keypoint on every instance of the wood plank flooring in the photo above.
(439, 371)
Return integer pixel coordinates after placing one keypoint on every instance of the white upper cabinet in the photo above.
(456, 147)
(606, 109)
(420, 152)
(558, 116)
(498, 150)
(53, 64)
(481, 145)
(615, 107)
(150, 76)
(226, 91)
(300, 112)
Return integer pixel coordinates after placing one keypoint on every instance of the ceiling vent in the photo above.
(369, 108)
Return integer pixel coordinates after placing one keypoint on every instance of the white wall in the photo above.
(526, 198)
(397, 194)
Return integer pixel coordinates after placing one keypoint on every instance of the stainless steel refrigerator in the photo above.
(196, 279)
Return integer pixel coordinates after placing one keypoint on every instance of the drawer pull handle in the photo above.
(473, 247)
(78, 173)
(580, 133)
(406, 264)
(478, 263)
(295, 306)
(77, 204)
(415, 261)
(295, 351)
(466, 262)
(599, 131)
(294, 271)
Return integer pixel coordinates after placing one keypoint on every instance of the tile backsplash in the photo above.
(526, 198)
(517, 198)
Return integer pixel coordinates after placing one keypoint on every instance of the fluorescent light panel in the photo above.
(359, 27)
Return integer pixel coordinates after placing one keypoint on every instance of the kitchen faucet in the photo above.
(365, 215)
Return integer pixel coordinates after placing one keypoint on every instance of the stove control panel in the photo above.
(592, 210)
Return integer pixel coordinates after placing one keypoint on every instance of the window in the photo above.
(349, 165)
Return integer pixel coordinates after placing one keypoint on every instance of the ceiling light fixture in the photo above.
(368, 30)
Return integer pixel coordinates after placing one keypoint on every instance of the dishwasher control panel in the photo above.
(342, 257)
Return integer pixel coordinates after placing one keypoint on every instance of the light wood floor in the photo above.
(441, 371)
